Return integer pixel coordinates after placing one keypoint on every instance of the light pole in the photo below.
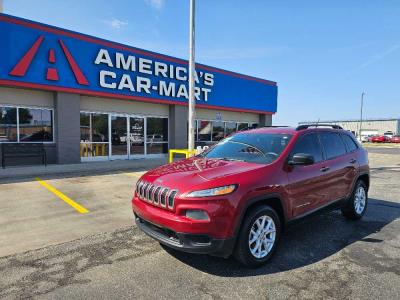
(361, 114)
(191, 113)
(1, 6)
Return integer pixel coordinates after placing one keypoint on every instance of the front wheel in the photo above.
(258, 237)
(357, 203)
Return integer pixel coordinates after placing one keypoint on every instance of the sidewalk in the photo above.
(12, 174)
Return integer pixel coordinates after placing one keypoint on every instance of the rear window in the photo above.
(350, 143)
(332, 144)
(255, 148)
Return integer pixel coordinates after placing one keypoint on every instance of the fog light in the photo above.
(196, 214)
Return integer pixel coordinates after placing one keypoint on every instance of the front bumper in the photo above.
(186, 242)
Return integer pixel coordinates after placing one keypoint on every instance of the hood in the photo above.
(193, 171)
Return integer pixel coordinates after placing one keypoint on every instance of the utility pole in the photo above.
(361, 114)
(191, 113)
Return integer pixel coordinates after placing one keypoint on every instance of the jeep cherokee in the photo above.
(238, 196)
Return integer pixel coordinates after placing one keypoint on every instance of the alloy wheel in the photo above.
(360, 198)
(262, 236)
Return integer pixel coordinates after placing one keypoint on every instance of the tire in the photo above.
(357, 203)
(250, 225)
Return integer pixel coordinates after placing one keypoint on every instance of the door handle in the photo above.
(324, 169)
(353, 161)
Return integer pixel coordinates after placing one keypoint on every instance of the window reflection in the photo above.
(230, 127)
(136, 137)
(243, 126)
(35, 125)
(204, 130)
(157, 130)
(158, 148)
(94, 134)
(8, 124)
(218, 131)
(254, 125)
(157, 135)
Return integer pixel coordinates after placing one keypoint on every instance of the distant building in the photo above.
(369, 126)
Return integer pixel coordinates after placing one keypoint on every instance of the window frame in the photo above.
(345, 144)
(291, 153)
(145, 133)
(323, 147)
(131, 115)
(18, 129)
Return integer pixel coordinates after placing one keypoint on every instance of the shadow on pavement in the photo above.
(306, 243)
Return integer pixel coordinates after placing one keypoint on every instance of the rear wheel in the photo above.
(258, 237)
(357, 203)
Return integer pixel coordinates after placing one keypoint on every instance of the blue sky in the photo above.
(323, 55)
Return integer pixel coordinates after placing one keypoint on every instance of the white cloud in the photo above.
(379, 56)
(115, 23)
(157, 4)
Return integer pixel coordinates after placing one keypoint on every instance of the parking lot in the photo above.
(73, 237)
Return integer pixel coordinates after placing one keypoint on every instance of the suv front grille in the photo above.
(156, 195)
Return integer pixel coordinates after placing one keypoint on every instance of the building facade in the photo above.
(369, 126)
(88, 99)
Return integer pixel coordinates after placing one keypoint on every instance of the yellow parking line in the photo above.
(60, 195)
(132, 175)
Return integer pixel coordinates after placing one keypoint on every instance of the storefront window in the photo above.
(94, 134)
(243, 126)
(230, 127)
(99, 128)
(204, 130)
(157, 135)
(35, 125)
(253, 125)
(136, 138)
(157, 148)
(218, 131)
(85, 127)
(8, 124)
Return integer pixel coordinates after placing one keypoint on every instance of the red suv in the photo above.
(238, 196)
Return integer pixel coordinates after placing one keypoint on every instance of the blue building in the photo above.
(87, 99)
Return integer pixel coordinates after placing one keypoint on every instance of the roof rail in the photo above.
(305, 126)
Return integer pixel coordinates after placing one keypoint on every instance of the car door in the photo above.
(336, 165)
(307, 186)
(352, 162)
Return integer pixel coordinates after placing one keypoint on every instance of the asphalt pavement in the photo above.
(326, 257)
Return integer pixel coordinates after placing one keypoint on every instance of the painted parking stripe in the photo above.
(63, 197)
(133, 175)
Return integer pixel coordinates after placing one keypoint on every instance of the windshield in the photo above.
(250, 147)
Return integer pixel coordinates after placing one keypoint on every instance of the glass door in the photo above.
(136, 137)
(119, 137)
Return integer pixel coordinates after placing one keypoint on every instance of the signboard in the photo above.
(40, 56)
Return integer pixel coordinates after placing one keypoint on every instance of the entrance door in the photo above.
(136, 137)
(119, 137)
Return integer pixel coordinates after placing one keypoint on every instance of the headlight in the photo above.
(218, 191)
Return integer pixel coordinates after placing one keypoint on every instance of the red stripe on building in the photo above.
(22, 66)
(122, 97)
(80, 78)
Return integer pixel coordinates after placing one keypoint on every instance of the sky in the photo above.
(322, 54)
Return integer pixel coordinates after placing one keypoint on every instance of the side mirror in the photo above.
(301, 159)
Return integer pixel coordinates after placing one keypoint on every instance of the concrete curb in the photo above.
(82, 169)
